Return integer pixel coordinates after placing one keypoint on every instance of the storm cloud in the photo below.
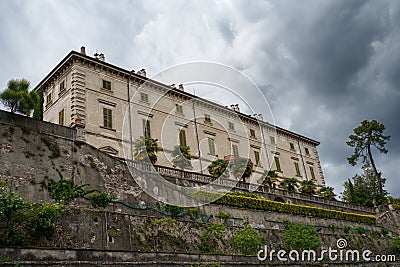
(323, 65)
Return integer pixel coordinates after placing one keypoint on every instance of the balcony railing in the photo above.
(229, 183)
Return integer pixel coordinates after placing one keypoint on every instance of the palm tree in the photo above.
(146, 148)
(219, 168)
(182, 157)
(290, 184)
(241, 168)
(327, 192)
(269, 178)
(308, 187)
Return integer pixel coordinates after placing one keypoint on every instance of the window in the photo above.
(307, 151)
(312, 173)
(144, 97)
(211, 146)
(291, 146)
(272, 139)
(207, 118)
(106, 85)
(257, 157)
(61, 117)
(278, 164)
(182, 137)
(107, 118)
(231, 126)
(146, 128)
(235, 151)
(62, 86)
(297, 169)
(252, 133)
(48, 98)
(179, 109)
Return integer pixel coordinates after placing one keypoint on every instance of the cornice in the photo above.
(74, 56)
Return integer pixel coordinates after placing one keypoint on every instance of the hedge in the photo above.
(269, 205)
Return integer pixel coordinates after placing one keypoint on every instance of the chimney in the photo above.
(258, 117)
(235, 107)
(96, 56)
(83, 50)
(181, 87)
(172, 85)
(142, 72)
(102, 57)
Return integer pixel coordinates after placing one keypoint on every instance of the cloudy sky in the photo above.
(322, 65)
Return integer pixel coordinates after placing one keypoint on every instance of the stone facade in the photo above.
(97, 93)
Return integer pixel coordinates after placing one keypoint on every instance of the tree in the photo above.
(17, 97)
(38, 108)
(219, 168)
(308, 187)
(182, 157)
(363, 189)
(369, 134)
(241, 168)
(146, 148)
(290, 184)
(327, 192)
(269, 178)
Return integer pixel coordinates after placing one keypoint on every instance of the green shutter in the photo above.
(182, 137)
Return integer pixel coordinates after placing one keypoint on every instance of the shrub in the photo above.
(212, 238)
(246, 241)
(23, 223)
(265, 204)
(299, 236)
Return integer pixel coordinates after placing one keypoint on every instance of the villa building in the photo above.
(114, 106)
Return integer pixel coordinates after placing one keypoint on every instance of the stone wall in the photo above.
(32, 151)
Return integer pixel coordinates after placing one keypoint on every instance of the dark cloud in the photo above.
(323, 65)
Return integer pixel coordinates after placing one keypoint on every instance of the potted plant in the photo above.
(78, 119)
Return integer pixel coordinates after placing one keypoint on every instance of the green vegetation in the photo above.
(193, 213)
(395, 243)
(172, 210)
(146, 148)
(269, 178)
(290, 184)
(327, 192)
(219, 168)
(246, 241)
(308, 187)
(212, 238)
(265, 204)
(65, 191)
(182, 157)
(363, 189)
(366, 136)
(299, 236)
(223, 215)
(241, 168)
(17, 97)
(24, 223)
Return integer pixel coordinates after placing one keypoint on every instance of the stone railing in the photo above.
(269, 193)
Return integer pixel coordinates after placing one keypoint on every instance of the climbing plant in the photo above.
(65, 191)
